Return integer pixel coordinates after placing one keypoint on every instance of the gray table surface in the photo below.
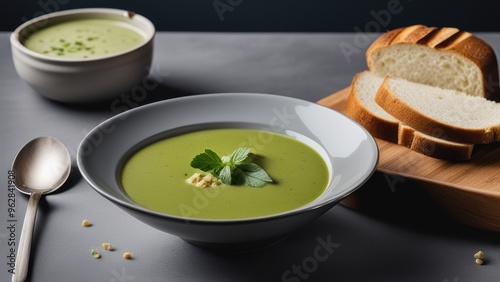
(400, 236)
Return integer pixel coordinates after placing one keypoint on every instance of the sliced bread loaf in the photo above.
(446, 57)
(457, 116)
(361, 106)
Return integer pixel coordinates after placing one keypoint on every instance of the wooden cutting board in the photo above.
(469, 191)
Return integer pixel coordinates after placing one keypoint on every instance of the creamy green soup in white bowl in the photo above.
(228, 171)
(84, 55)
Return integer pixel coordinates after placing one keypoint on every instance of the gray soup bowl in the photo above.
(349, 150)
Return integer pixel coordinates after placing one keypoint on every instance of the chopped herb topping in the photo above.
(65, 47)
(232, 169)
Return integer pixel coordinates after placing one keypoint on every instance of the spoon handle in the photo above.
(23, 252)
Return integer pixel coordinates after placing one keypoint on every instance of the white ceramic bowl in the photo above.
(347, 148)
(83, 80)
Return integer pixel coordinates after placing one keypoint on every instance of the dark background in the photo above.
(279, 15)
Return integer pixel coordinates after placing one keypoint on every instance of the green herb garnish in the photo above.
(68, 47)
(232, 169)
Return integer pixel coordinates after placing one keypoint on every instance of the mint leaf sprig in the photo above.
(232, 169)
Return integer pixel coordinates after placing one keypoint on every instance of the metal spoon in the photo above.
(41, 167)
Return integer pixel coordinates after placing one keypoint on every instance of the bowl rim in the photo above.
(302, 209)
(16, 42)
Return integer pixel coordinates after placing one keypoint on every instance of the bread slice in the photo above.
(446, 58)
(433, 146)
(361, 106)
(455, 115)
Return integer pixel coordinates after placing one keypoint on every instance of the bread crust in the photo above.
(435, 148)
(441, 150)
(405, 135)
(392, 104)
(447, 39)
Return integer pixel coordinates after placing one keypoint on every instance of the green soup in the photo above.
(155, 176)
(85, 38)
